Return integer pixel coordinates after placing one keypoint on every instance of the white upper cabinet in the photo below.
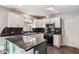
(35, 23)
(55, 20)
(15, 20)
(28, 19)
(51, 20)
(39, 23)
(47, 21)
(42, 22)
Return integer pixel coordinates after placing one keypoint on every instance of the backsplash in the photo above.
(7, 31)
(38, 30)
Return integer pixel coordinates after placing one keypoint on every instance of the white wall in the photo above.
(70, 28)
(3, 18)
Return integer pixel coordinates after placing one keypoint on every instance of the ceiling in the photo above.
(41, 10)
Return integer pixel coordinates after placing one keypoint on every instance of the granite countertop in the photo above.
(20, 40)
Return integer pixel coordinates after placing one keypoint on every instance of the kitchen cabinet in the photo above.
(35, 23)
(42, 23)
(11, 48)
(28, 20)
(41, 49)
(55, 20)
(57, 23)
(15, 20)
(57, 40)
(47, 21)
(39, 23)
(2, 45)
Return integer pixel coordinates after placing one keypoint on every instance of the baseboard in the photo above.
(56, 46)
(71, 46)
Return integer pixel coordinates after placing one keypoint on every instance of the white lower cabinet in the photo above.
(57, 40)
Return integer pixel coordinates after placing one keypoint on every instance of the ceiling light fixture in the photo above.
(56, 11)
(20, 5)
(47, 16)
(52, 9)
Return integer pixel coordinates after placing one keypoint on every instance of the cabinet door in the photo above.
(2, 44)
(14, 49)
(57, 22)
(35, 23)
(41, 49)
(15, 20)
(9, 47)
(41, 23)
(47, 21)
(57, 40)
(20, 21)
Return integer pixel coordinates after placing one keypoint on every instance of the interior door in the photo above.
(71, 27)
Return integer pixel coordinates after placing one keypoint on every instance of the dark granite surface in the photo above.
(19, 41)
(9, 31)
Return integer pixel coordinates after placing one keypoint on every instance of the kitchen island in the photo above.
(22, 44)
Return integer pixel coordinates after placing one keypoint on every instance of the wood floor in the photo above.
(62, 50)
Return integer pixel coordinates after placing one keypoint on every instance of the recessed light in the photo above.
(47, 16)
(20, 5)
(50, 8)
(56, 11)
